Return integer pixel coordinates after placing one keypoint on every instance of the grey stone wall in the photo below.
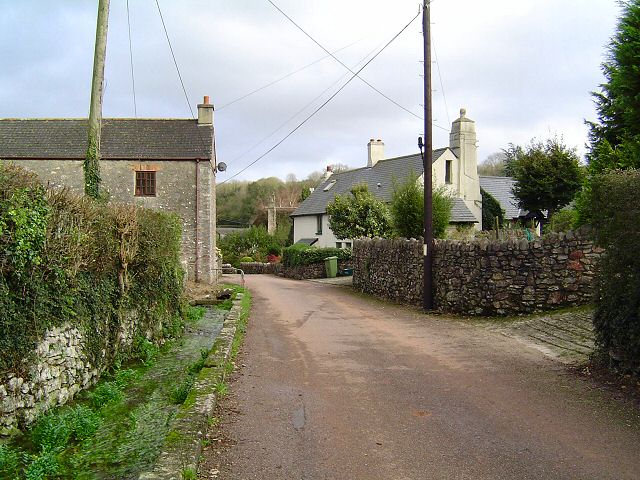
(482, 277)
(61, 369)
(260, 268)
(176, 192)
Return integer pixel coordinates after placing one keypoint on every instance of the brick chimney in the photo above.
(205, 112)
(375, 150)
(329, 172)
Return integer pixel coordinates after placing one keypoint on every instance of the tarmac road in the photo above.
(342, 386)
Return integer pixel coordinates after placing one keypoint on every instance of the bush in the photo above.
(255, 243)
(69, 259)
(407, 209)
(246, 260)
(491, 209)
(562, 221)
(617, 301)
(305, 255)
(9, 462)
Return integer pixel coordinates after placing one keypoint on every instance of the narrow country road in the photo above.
(342, 386)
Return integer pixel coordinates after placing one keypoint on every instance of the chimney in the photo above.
(462, 140)
(375, 150)
(329, 172)
(205, 112)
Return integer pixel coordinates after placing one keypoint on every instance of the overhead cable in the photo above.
(355, 74)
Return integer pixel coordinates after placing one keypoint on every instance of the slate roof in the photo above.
(500, 188)
(380, 180)
(460, 213)
(122, 138)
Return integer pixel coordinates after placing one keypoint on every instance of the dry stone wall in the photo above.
(482, 277)
(59, 370)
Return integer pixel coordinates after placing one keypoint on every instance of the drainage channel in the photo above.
(132, 431)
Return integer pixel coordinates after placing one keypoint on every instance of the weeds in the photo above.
(189, 474)
(105, 393)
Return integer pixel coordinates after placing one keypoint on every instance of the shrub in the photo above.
(255, 243)
(246, 260)
(617, 300)
(491, 210)
(562, 221)
(407, 209)
(69, 259)
(43, 466)
(305, 255)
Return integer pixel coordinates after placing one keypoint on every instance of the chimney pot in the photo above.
(206, 100)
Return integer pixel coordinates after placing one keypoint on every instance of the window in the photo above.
(319, 224)
(145, 184)
(447, 171)
(338, 244)
(329, 185)
(347, 245)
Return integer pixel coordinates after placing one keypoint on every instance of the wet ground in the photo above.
(130, 438)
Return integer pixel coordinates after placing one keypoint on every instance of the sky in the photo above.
(522, 69)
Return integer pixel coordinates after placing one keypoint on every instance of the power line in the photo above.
(174, 60)
(355, 74)
(283, 77)
(133, 79)
(302, 109)
(444, 97)
(340, 62)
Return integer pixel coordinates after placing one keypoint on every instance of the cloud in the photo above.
(522, 69)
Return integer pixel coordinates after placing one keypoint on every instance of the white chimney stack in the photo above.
(375, 150)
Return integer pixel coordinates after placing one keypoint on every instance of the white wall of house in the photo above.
(306, 226)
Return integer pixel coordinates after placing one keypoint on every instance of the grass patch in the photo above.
(116, 429)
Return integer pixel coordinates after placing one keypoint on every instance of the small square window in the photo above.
(145, 184)
(347, 245)
(338, 244)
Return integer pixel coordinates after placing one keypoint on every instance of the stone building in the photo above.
(455, 167)
(163, 164)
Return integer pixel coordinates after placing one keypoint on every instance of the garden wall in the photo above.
(482, 277)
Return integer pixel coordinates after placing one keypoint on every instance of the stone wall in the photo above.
(260, 268)
(59, 370)
(482, 277)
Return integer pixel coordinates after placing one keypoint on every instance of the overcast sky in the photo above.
(521, 68)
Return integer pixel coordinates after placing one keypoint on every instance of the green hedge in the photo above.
(305, 255)
(65, 258)
(616, 220)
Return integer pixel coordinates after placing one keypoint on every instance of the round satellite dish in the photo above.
(222, 166)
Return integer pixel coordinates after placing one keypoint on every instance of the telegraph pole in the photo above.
(92, 160)
(427, 160)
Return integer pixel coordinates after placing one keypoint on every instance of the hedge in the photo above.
(616, 217)
(305, 255)
(70, 259)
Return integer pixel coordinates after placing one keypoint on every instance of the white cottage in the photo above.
(455, 167)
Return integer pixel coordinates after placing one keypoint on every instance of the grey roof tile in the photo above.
(380, 179)
(122, 138)
(500, 188)
(460, 213)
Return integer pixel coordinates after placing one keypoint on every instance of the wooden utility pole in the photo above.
(92, 159)
(427, 161)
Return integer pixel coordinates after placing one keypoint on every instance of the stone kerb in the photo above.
(482, 277)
